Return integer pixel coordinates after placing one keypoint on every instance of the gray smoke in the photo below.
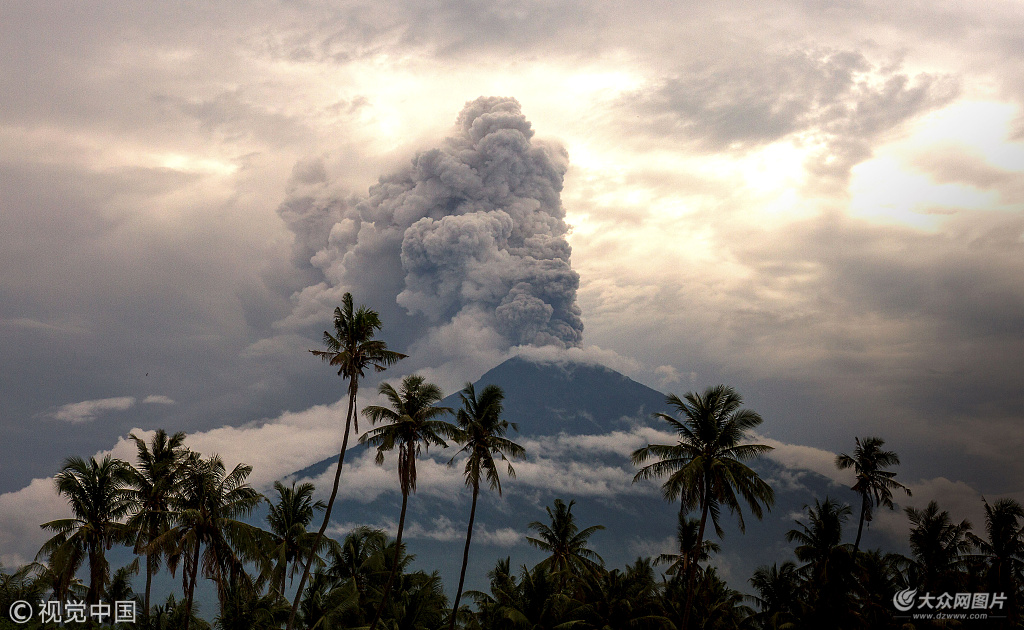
(472, 230)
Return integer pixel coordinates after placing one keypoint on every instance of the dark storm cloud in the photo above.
(473, 228)
(98, 301)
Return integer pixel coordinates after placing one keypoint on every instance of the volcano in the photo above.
(579, 423)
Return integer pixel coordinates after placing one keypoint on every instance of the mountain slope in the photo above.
(579, 423)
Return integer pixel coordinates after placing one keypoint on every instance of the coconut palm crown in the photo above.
(353, 349)
(874, 483)
(482, 433)
(411, 424)
(705, 468)
(98, 499)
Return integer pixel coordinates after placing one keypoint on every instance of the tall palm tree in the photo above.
(566, 543)
(207, 530)
(874, 483)
(411, 424)
(288, 539)
(705, 467)
(98, 499)
(482, 434)
(153, 482)
(353, 349)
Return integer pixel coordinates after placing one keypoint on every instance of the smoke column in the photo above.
(471, 234)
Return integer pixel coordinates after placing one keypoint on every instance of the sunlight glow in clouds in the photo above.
(952, 162)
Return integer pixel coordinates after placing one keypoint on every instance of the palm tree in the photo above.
(879, 576)
(21, 584)
(412, 424)
(619, 600)
(1003, 550)
(686, 534)
(705, 467)
(566, 543)
(829, 566)
(98, 499)
(777, 595)
(482, 434)
(352, 349)
(206, 514)
(715, 607)
(536, 601)
(153, 483)
(288, 538)
(819, 539)
(939, 546)
(358, 566)
(874, 483)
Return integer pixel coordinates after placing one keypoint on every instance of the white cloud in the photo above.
(21, 514)
(797, 457)
(441, 529)
(157, 399)
(87, 410)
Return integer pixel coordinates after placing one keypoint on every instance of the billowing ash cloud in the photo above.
(473, 230)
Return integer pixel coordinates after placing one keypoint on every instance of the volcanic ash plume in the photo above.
(473, 230)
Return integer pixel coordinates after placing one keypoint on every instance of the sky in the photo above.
(817, 203)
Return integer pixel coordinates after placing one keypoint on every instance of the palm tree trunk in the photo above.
(465, 555)
(692, 568)
(394, 566)
(860, 527)
(191, 587)
(95, 576)
(149, 582)
(353, 388)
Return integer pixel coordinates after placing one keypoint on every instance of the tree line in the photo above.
(177, 509)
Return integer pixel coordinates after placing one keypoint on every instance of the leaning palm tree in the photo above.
(153, 482)
(411, 424)
(566, 543)
(207, 531)
(352, 349)
(705, 467)
(874, 483)
(98, 499)
(482, 434)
